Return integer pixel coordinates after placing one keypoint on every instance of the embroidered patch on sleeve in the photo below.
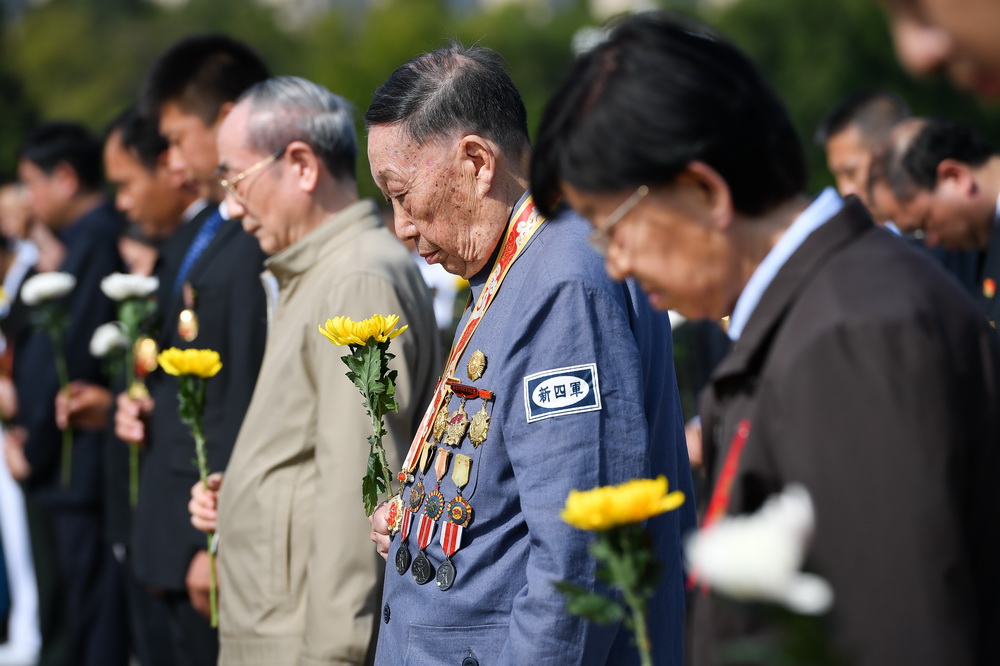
(561, 391)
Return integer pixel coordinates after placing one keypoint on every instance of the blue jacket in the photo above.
(558, 326)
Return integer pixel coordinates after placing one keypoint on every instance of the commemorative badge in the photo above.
(441, 418)
(458, 424)
(395, 516)
(477, 365)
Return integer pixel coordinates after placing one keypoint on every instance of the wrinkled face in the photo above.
(261, 198)
(151, 199)
(957, 36)
(434, 198)
(667, 244)
(48, 195)
(849, 160)
(192, 148)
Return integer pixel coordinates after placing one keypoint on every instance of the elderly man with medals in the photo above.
(558, 379)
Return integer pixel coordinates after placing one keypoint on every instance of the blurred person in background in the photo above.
(941, 178)
(851, 133)
(60, 166)
(858, 369)
(954, 37)
(210, 297)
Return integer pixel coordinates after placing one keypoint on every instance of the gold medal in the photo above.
(395, 515)
(425, 456)
(477, 365)
(460, 474)
(145, 351)
(187, 321)
(441, 418)
(187, 325)
(458, 424)
(479, 429)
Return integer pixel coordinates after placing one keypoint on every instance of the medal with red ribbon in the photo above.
(403, 552)
(523, 225)
(422, 570)
(457, 518)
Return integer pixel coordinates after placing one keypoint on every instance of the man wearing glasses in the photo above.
(299, 581)
(210, 297)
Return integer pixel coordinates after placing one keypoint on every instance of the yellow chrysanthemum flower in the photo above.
(610, 506)
(346, 331)
(198, 362)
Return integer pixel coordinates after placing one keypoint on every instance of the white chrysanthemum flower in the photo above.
(759, 556)
(46, 287)
(122, 286)
(108, 338)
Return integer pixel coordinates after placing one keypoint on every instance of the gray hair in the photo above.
(289, 108)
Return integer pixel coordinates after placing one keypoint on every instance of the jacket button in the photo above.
(470, 661)
(386, 614)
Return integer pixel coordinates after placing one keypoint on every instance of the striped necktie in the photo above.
(198, 245)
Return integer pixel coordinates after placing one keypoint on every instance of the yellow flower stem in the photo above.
(619, 566)
(67, 432)
(199, 447)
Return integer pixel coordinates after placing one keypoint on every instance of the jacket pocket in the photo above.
(428, 645)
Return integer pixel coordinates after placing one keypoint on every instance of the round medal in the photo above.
(402, 559)
(434, 505)
(421, 569)
(477, 365)
(416, 496)
(445, 577)
(460, 512)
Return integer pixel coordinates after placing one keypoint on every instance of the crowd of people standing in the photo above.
(863, 361)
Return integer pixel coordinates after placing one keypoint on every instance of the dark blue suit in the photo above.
(88, 576)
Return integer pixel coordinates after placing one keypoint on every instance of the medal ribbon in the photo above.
(407, 521)
(722, 494)
(425, 530)
(451, 538)
(523, 225)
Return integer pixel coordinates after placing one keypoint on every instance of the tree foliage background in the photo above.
(84, 59)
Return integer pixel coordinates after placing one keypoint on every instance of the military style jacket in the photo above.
(583, 394)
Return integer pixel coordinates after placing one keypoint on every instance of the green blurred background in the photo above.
(83, 59)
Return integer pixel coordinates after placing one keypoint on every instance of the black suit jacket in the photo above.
(989, 280)
(232, 319)
(91, 254)
(871, 378)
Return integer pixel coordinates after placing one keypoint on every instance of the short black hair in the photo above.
(659, 93)
(62, 142)
(454, 87)
(201, 73)
(139, 135)
(873, 112)
(941, 139)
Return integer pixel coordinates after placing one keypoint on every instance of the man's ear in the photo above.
(478, 157)
(956, 176)
(709, 194)
(221, 115)
(66, 180)
(305, 165)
